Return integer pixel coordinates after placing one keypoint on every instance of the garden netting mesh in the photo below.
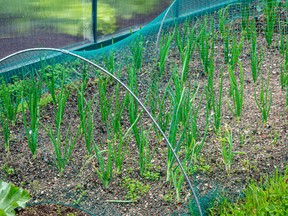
(72, 134)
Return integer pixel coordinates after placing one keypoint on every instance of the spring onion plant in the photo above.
(264, 100)
(137, 50)
(283, 42)
(225, 29)
(81, 101)
(270, 11)
(63, 149)
(186, 45)
(210, 86)
(284, 74)
(177, 180)
(177, 99)
(110, 62)
(165, 44)
(145, 156)
(32, 98)
(205, 46)
(157, 104)
(154, 97)
(120, 149)
(182, 38)
(236, 92)
(245, 14)
(50, 81)
(236, 49)
(132, 103)
(104, 170)
(287, 98)
(6, 132)
(216, 106)
(226, 140)
(118, 109)
(86, 119)
(195, 143)
(182, 100)
(105, 105)
(255, 57)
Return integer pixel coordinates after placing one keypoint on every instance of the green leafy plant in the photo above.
(135, 188)
(10, 98)
(11, 197)
(269, 197)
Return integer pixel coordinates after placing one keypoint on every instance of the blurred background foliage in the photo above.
(71, 17)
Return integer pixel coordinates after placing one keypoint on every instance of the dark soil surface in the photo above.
(51, 210)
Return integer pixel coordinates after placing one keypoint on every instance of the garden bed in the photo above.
(183, 101)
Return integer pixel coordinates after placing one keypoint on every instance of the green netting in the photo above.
(113, 124)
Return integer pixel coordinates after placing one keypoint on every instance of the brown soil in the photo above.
(51, 210)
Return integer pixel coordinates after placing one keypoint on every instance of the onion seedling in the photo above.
(177, 180)
(137, 50)
(236, 92)
(165, 43)
(205, 46)
(226, 150)
(105, 168)
(32, 98)
(62, 150)
(265, 99)
(236, 49)
(256, 62)
(224, 29)
(216, 105)
(6, 132)
(270, 11)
